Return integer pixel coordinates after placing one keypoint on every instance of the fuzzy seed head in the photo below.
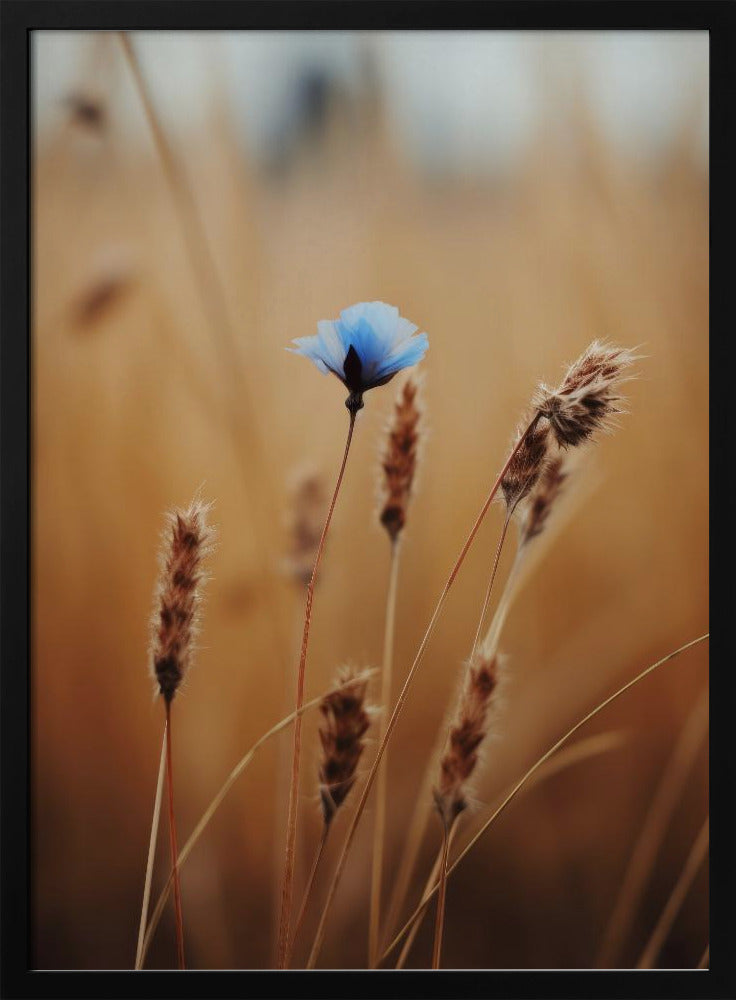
(466, 734)
(542, 499)
(305, 520)
(399, 460)
(186, 541)
(527, 464)
(588, 397)
(346, 719)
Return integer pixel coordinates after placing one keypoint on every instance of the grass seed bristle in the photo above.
(187, 540)
(588, 397)
(466, 734)
(346, 719)
(399, 460)
(542, 499)
(527, 464)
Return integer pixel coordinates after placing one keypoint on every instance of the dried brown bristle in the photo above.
(526, 465)
(466, 734)
(346, 721)
(178, 594)
(542, 498)
(399, 460)
(305, 520)
(588, 396)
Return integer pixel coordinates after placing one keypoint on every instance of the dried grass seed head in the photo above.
(542, 499)
(187, 539)
(345, 721)
(308, 504)
(588, 397)
(527, 464)
(399, 459)
(467, 732)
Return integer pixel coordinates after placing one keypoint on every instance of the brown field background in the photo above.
(137, 404)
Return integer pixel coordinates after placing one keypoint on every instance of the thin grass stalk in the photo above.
(326, 827)
(491, 580)
(410, 937)
(291, 824)
(581, 751)
(704, 958)
(442, 895)
(174, 848)
(151, 855)
(667, 918)
(423, 804)
(528, 775)
(379, 830)
(656, 823)
(215, 804)
(405, 689)
(204, 268)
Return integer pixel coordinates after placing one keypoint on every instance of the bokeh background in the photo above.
(516, 195)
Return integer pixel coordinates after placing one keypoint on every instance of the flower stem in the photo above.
(404, 692)
(151, 855)
(174, 848)
(442, 895)
(380, 818)
(291, 823)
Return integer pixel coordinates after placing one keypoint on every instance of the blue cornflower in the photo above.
(365, 347)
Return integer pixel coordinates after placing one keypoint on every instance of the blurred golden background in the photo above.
(516, 196)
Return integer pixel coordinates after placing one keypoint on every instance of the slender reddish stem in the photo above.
(405, 690)
(174, 846)
(291, 823)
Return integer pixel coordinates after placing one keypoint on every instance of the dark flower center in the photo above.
(353, 369)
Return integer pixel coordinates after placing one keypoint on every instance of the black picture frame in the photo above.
(18, 20)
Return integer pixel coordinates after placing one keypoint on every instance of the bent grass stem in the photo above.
(653, 829)
(581, 751)
(532, 771)
(423, 804)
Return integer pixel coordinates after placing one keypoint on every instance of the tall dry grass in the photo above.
(129, 417)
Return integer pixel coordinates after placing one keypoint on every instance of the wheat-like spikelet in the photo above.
(399, 459)
(542, 499)
(305, 519)
(467, 732)
(346, 721)
(527, 464)
(186, 541)
(588, 397)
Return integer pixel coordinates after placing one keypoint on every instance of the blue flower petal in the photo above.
(382, 341)
(410, 352)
